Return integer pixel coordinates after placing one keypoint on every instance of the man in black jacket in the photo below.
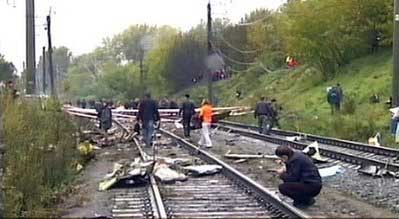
(301, 178)
(263, 111)
(148, 115)
(187, 110)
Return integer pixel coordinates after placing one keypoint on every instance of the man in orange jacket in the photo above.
(206, 115)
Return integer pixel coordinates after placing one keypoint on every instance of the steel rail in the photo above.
(270, 200)
(160, 207)
(378, 150)
(337, 155)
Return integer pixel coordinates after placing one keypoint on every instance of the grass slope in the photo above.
(302, 93)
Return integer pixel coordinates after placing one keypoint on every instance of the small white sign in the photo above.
(396, 17)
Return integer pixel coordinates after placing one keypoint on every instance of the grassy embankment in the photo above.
(302, 93)
(40, 156)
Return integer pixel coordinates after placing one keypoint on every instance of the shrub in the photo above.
(40, 151)
(349, 104)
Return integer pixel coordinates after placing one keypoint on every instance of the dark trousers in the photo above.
(300, 192)
(264, 124)
(187, 125)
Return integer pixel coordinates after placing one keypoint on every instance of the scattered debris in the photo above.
(230, 142)
(312, 151)
(249, 156)
(177, 161)
(79, 167)
(123, 170)
(165, 174)
(377, 171)
(164, 142)
(293, 138)
(240, 161)
(375, 140)
(203, 169)
(86, 150)
(331, 171)
(106, 184)
(178, 124)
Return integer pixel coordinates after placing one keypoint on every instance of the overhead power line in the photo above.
(220, 36)
(235, 61)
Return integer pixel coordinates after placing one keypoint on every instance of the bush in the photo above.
(349, 104)
(40, 151)
(352, 128)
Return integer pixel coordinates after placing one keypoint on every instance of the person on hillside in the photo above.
(301, 178)
(263, 112)
(148, 115)
(206, 115)
(106, 120)
(238, 94)
(187, 110)
(276, 108)
(333, 98)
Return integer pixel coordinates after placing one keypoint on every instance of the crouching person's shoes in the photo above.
(305, 204)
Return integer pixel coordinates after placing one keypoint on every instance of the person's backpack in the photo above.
(333, 96)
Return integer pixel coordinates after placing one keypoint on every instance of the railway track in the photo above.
(228, 194)
(347, 151)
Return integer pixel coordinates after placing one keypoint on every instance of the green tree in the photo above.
(7, 69)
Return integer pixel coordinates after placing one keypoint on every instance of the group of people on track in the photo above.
(300, 176)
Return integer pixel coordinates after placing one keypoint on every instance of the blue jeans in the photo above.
(148, 131)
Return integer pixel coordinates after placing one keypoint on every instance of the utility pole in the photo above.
(210, 93)
(30, 47)
(44, 69)
(50, 56)
(142, 86)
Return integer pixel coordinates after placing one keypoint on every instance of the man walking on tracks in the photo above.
(187, 110)
(263, 111)
(148, 115)
(106, 120)
(206, 115)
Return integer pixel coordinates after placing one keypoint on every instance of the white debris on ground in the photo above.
(203, 169)
(331, 171)
(293, 138)
(125, 170)
(165, 174)
(313, 151)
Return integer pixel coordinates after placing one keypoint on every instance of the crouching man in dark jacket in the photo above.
(301, 178)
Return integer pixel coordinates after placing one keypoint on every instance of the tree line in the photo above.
(324, 34)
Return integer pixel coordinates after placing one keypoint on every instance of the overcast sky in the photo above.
(81, 25)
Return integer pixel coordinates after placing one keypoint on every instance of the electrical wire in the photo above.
(220, 36)
(235, 61)
(218, 51)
